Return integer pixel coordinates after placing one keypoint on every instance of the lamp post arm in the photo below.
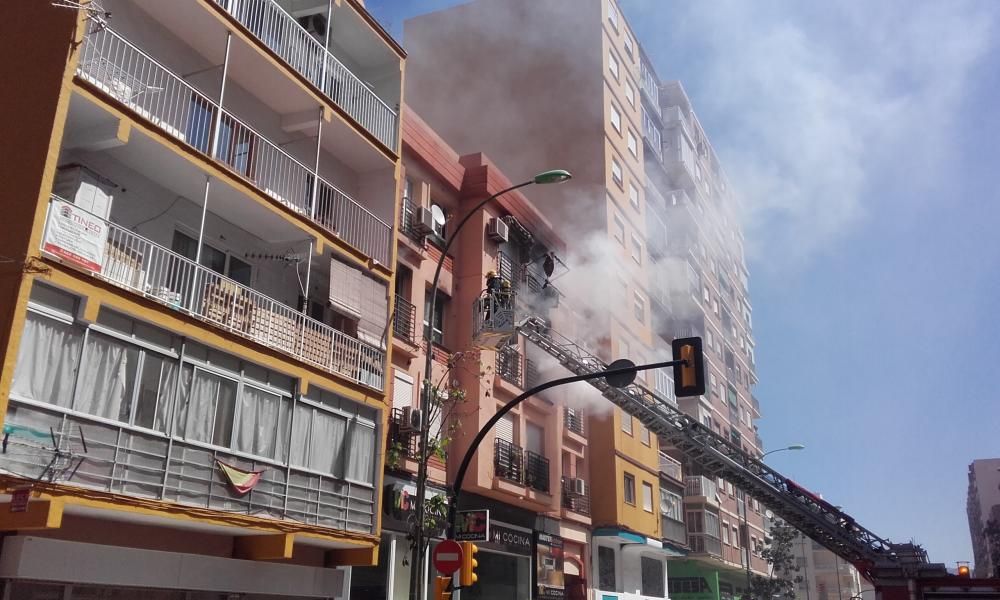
(474, 445)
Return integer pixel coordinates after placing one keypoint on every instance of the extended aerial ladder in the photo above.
(892, 567)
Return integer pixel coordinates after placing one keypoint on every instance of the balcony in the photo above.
(698, 487)
(510, 365)
(572, 500)
(536, 471)
(407, 214)
(573, 420)
(404, 320)
(283, 35)
(670, 467)
(674, 530)
(150, 270)
(402, 442)
(508, 461)
(651, 133)
(128, 75)
(701, 543)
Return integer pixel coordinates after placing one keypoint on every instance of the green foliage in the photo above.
(784, 575)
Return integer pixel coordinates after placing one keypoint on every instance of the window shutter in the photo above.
(535, 439)
(402, 389)
(355, 294)
(505, 429)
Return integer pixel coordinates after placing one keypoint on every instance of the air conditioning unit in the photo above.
(412, 419)
(497, 230)
(580, 487)
(315, 23)
(423, 221)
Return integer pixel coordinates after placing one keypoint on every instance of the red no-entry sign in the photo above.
(447, 557)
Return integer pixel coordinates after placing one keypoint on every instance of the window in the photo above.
(212, 258)
(652, 577)
(671, 505)
(630, 94)
(636, 249)
(633, 144)
(334, 435)
(619, 231)
(626, 423)
(644, 434)
(629, 482)
(633, 196)
(725, 532)
(438, 213)
(647, 496)
(616, 172)
(613, 18)
(439, 309)
(629, 45)
(639, 306)
(712, 524)
(612, 64)
(606, 579)
(736, 537)
(616, 118)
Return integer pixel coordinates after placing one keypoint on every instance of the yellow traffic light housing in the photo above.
(689, 373)
(963, 571)
(441, 588)
(467, 572)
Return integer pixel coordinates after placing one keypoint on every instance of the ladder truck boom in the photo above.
(876, 558)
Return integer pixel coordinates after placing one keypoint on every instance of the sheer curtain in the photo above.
(108, 378)
(259, 422)
(47, 361)
(197, 421)
(298, 452)
(326, 442)
(361, 452)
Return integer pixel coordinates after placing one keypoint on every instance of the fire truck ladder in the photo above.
(876, 557)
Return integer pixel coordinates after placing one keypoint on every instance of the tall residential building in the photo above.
(825, 576)
(530, 471)
(567, 84)
(196, 273)
(983, 505)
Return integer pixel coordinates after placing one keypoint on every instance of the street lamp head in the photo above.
(796, 447)
(553, 176)
(621, 380)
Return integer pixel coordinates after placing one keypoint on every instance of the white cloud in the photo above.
(810, 105)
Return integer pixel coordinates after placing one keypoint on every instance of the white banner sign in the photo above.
(75, 236)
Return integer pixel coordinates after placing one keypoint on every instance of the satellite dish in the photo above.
(768, 514)
(437, 214)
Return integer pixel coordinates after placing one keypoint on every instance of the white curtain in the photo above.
(258, 422)
(361, 453)
(301, 423)
(108, 378)
(210, 408)
(326, 442)
(47, 361)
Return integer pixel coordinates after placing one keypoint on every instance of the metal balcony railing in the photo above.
(670, 467)
(531, 375)
(699, 486)
(282, 33)
(701, 543)
(674, 530)
(508, 461)
(536, 471)
(132, 77)
(509, 365)
(573, 420)
(571, 500)
(142, 266)
(401, 439)
(407, 214)
(404, 320)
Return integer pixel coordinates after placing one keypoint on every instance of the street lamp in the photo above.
(417, 571)
(746, 525)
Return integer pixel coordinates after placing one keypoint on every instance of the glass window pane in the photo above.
(652, 577)
(259, 422)
(108, 379)
(326, 443)
(606, 580)
(47, 361)
(223, 431)
(361, 455)
(239, 271)
(149, 390)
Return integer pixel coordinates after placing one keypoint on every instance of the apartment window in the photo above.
(613, 64)
(616, 118)
(647, 497)
(606, 578)
(619, 229)
(613, 17)
(630, 94)
(644, 434)
(671, 505)
(652, 577)
(616, 172)
(626, 422)
(636, 249)
(629, 45)
(639, 306)
(221, 262)
(711, 524)
(629, 483)
(633, 145)
(725, 532)
(334, 435)
(439, 309)
(708, 333)
(706, 295)
(736, 537)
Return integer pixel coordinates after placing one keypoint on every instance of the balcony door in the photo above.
(217, 260)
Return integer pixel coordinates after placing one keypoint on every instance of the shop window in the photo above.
(606, 569)
(652, 577)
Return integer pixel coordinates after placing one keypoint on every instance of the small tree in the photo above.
(784, 577)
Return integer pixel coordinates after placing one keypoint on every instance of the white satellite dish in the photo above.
(438, 215)
(768, 514)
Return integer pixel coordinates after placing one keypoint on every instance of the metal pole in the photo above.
(305, 291)
(417, 581)
(222, 95)
(746, 543)
(315, 190)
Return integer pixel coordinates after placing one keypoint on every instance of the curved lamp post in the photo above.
(746, 526)
(417, 571)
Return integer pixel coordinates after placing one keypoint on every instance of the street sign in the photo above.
(472, 526)
(447, 557)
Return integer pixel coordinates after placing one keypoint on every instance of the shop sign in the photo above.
(472, 526)
(75, 236)
(550, 582)
(399, 501)
(507, 539)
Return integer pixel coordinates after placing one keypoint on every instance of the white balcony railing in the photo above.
(130, 76)
(698, 486)
(142, 266)
(670, 467)
(280, 32)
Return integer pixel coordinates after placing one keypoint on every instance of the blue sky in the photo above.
(862, 138)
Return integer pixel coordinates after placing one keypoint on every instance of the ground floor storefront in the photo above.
(694, 580)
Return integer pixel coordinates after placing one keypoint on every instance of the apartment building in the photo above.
(571, 94)
(196, 273)
(982, 506)
(825, 575)
(530, 471)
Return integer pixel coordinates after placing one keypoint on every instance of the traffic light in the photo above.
(467, 572)
(441, 588)
(963, 570)
(689, 376)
